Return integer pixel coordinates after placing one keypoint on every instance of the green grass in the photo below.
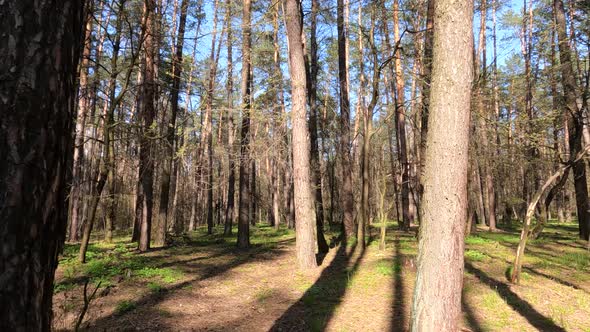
(387, 268)
(476, 239)
(576, 260)
(167, 275)
(475, 255)
(264, 294)
(124, 307)
(106, 262)
(155, 287)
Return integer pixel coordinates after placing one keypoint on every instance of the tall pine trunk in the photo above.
(313, 129)
(346, 195)
(244, 215)
(574, 115)
(83, 105)
(400, 125)
(305, 219)
(229, 87)
(170, 132)
(439, 279)
(146, 141)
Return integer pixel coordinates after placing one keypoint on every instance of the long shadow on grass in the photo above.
(470, 316)
(541, 274)
(151, 299)
(398, 321)
(314, 310)
(519, 305)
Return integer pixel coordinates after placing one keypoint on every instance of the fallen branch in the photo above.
(87, 301)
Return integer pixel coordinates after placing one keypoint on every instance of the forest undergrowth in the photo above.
(202, 282)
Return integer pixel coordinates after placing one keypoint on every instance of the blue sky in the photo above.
(506, 45)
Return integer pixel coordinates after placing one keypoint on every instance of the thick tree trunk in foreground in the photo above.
(36, 113)
(439, 279)
(346, 197)
(245, 197)
(305, 219)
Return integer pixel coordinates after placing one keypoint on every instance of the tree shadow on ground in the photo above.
(208, 271)
(519, 305)
(315, 309)
(399, 321)
(469, 315)
(541, 274)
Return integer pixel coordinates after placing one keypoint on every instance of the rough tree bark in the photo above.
(244, 192)
(39, 52)
(229, 88)
(346, 196)
(83, 105)
(313, 128)
(426, 80)
(439, 280)
(305, 219)
(147, 116)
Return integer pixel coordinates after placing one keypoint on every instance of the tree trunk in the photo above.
(313, 128)
(574, 115)
(245, 195)
(83, 105)
(489, 194)
(168, 162)
(426, 80)
(400, 124)
(36, 113)
(439, 279)
(305, 219)
(207, 135)
(147, 115)
(106, 161)
(229, 87)
(557, 177)
(346, 196)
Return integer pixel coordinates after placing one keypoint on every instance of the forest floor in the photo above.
(203, 283)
